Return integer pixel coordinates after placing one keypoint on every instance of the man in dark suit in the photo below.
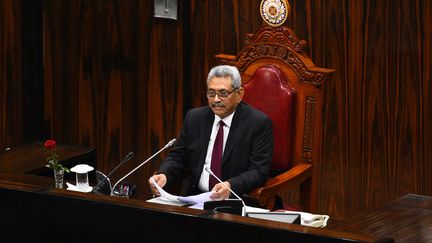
(229, 136)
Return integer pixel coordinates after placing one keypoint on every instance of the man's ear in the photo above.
(240, 93)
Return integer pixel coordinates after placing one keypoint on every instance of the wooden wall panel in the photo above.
(425, 71)
(11, 94)
(113, 76)
(213, 27)
(120, 80)
(373, 128)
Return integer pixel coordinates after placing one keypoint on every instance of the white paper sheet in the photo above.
(160, 200)
(190, 200)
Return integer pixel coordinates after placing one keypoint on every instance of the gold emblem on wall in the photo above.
(274, 12)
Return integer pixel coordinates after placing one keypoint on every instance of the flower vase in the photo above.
(58, 178)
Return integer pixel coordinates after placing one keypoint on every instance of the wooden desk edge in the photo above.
(36, 184)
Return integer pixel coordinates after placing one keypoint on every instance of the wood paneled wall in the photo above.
(377, 134)
(113, 76)
(110, 75)
(11, 96)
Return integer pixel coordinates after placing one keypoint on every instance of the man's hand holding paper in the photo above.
(191, 200)
(159, 180)
(220, 191)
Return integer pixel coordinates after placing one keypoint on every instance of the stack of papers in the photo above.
(197, 202)
(167, 198)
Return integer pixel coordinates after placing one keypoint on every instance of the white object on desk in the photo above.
(81, 172)
(311, 220)
(71, 187)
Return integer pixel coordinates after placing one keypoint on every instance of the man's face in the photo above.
(223, 106)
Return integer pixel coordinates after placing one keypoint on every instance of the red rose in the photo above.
(50, 144)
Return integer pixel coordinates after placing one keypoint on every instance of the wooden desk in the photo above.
(32, 210)
(408, 219)
(31, 158)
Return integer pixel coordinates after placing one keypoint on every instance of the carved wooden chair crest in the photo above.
(281, 80)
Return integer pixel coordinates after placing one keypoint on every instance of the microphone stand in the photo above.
(169, 144)
(127, 158)
(235, 194)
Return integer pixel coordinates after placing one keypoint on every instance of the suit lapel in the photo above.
(236, 127)
(209, 119)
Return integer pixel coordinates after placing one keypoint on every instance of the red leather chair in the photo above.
(281, 80)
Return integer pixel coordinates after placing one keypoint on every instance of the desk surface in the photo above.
(31, 158)
(27, 198)
(407, 219)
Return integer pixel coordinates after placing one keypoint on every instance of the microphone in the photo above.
(125, 159)
(169, 144)
(235, 194)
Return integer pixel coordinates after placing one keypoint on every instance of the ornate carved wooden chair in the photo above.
(281, 80)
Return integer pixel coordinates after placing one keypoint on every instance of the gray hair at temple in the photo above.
(223, 71)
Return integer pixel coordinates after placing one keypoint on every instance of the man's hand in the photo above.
(220, 191)
(160, 180)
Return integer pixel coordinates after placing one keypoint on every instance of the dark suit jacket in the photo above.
(248, 151)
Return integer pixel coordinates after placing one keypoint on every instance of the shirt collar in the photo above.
(227, 120)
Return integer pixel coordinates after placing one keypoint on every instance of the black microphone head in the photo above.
(129, 155)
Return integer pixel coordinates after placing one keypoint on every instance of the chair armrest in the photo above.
(288, 179)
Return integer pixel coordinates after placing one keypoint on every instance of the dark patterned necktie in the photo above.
(216, 160)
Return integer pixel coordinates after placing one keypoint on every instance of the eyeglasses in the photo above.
(223, 94)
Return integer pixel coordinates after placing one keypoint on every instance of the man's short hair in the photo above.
(223, 71)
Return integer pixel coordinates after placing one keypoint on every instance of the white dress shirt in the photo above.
(205, 176)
